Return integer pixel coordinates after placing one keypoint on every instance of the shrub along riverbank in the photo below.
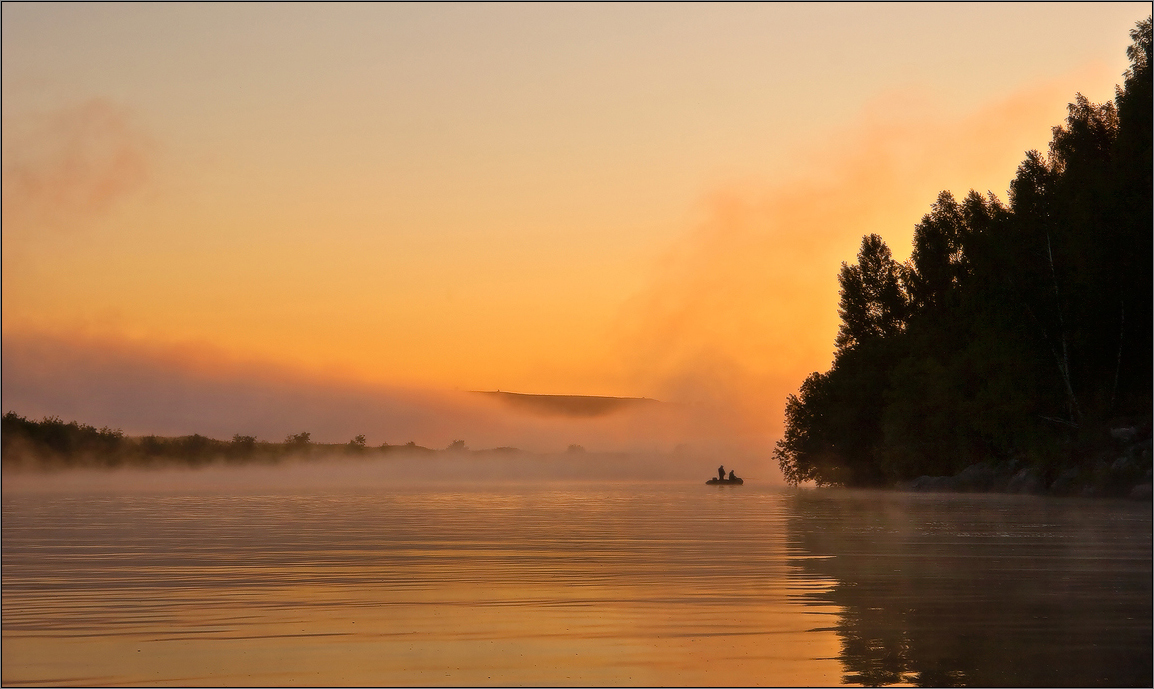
(1123, 472)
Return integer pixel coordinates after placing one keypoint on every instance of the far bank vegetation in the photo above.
(54, 443)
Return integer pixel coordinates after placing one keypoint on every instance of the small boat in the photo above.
(724, 482)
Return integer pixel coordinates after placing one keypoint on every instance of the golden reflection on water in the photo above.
(581, 584)
(572, 584)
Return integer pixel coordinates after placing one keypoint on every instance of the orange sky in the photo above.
(622, 200)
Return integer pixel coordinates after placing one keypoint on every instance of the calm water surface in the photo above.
(571, 584)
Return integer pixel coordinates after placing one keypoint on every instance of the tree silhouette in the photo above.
(872, 303)
(1015, 333)
(298, 440)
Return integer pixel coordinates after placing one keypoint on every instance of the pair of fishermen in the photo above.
(721, 473)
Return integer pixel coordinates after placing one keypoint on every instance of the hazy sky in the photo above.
(598, 199)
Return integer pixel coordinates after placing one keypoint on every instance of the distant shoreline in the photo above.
(54, 443)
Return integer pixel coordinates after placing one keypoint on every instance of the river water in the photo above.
(568, 583)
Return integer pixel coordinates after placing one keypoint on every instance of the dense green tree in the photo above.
(804, 453)
(300, 440)
(939, 262)
(1019, 331)
(357, 444)
(872, 303)
(242, 446)
(53, 437)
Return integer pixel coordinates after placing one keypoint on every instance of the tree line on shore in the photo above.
(53, 442)
(1017, 333)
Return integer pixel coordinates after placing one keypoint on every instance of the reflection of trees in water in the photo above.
(982, 590)
(878, 657)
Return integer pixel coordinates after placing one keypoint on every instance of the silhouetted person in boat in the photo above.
(732, 477)
(721, 473)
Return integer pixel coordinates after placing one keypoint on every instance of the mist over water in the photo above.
(461, 582)
(473, 570)
(322, 471)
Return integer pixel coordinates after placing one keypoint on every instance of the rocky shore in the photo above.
(1121, 472)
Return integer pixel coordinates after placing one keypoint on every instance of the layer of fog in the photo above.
(322, 472)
